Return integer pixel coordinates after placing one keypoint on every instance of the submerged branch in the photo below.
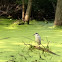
(41, 48)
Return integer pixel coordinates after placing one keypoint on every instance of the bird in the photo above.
(37, 38)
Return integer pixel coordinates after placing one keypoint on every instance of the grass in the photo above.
(12, 48)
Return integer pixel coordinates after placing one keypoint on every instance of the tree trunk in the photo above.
(28, 11)
(23, 11)
(58, 15)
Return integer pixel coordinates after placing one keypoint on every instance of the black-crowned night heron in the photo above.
(37, 38)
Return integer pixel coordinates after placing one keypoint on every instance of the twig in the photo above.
(40, 56)
(25, 43)
(42, 45)
(47, 43)
(5, 38)
(23, 56)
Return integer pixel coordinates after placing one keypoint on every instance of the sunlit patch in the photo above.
(60, 31)
(6, 48)
(1, 42)
(17, 43)
(58, 45)
(10, 50)
(3, 60)
(3, 46)
(11, 27)
(52, 27)
(59, 35)
(46, 36)
(23, 43)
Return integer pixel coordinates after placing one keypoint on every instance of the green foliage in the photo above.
(40, 8)
(43, 9)
(55, 1)
(19, 1)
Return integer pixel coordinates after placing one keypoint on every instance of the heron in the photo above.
(37, 38)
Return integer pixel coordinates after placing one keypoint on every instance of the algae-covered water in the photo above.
(13, 37)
